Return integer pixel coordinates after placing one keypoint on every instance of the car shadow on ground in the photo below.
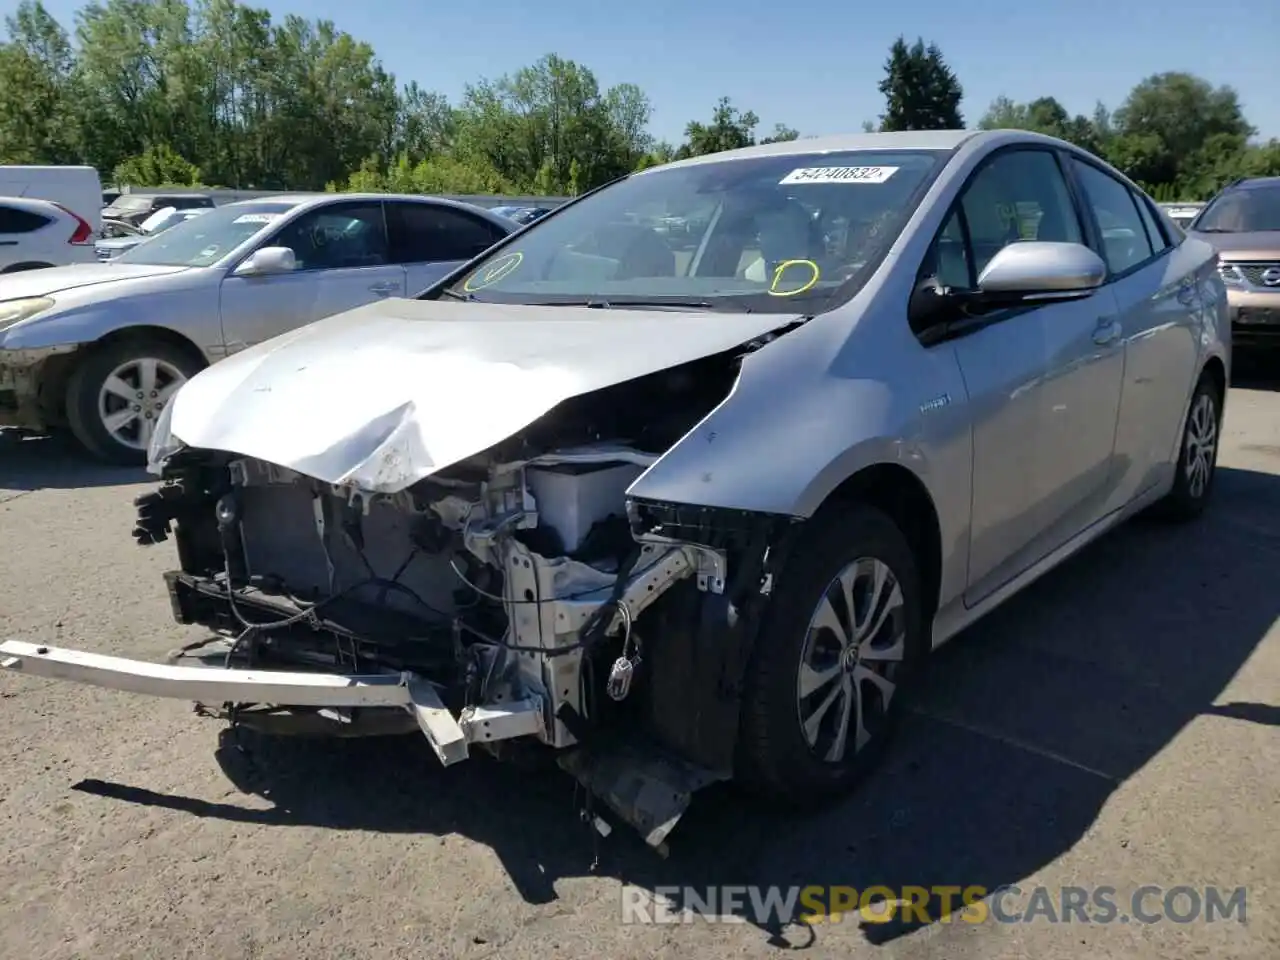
(1021, 731)
(34, 462)
(1256, 370)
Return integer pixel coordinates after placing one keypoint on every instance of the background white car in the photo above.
(41, 233)
(102, 347)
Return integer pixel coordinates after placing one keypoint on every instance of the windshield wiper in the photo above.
(600, 303)
(466, 297)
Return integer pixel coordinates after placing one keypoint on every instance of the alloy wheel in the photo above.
(132, 397)
(850, 662)
(1201, 443)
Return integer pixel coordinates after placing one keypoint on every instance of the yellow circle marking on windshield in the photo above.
(492, 273)
(786, 265)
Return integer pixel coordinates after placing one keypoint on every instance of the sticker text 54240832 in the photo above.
(839, 175)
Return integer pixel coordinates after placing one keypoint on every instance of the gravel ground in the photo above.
(1115, 725)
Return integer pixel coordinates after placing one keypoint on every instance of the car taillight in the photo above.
(84, 232)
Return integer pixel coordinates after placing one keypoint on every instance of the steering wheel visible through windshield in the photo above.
(762, 233)
(203, 240)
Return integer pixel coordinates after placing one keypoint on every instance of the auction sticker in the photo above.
(839, 175)
(256, 218)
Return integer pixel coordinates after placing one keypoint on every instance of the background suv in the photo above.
(1243, 225)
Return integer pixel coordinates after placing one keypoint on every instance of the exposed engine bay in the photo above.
(541, 607)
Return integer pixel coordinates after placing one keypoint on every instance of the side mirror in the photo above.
(266, 262)
(1040, 270)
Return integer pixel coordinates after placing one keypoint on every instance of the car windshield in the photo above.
(763, 233)
(1246, 210)
(202, 240)
(131, 204)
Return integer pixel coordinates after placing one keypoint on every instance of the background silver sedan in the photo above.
(102, 347)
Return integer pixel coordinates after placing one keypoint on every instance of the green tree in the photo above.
(38, 118)
(660, 153)
(157, 166)
(180, 91)
(921, 92)
(729, 129)
(535, 125)
(1043, 115)
(781, 134)
(1178, 116)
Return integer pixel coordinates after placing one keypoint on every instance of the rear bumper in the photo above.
(450, 736)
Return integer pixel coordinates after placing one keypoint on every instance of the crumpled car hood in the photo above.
(387, 394)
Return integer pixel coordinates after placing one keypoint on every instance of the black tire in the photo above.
(87, 380)
(775, 759)
(1188, 499)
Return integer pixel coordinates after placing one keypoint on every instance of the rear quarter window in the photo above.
(20, 221)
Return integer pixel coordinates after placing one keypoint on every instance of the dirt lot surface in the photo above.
(1115, 725)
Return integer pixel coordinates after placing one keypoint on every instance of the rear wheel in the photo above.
(116, 394)
(1198, 456)
(844, 635)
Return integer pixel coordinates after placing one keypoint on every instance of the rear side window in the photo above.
(1124, 237)
(426, 232)
(1154, 233)
(20, 221)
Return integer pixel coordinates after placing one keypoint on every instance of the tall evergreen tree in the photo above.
(921, 92)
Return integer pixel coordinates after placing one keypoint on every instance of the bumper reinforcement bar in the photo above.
(450, 737)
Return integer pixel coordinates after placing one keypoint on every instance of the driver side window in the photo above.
(1015, 196)
(341, 235)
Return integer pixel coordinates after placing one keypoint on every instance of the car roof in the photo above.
(1254, 182)
(295, 200)
(905, 140)
(34, 205)
(939, 140)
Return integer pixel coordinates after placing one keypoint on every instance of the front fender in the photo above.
(788, 434)
(795, 428)
(188, 314)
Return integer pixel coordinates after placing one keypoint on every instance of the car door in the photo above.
(343, 262)
(1043, 389)
(431, 239)
(1154, 283)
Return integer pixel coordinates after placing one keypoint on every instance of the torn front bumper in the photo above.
(22, 385)
(648, 790)
(450, 736)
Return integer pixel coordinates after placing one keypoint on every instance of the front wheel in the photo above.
(844, 634)
(116, 394)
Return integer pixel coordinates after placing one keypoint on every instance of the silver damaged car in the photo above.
(674, 509)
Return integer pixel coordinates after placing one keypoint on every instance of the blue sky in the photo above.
(815, 65)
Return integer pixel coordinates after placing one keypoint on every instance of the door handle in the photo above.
(1107, 331)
